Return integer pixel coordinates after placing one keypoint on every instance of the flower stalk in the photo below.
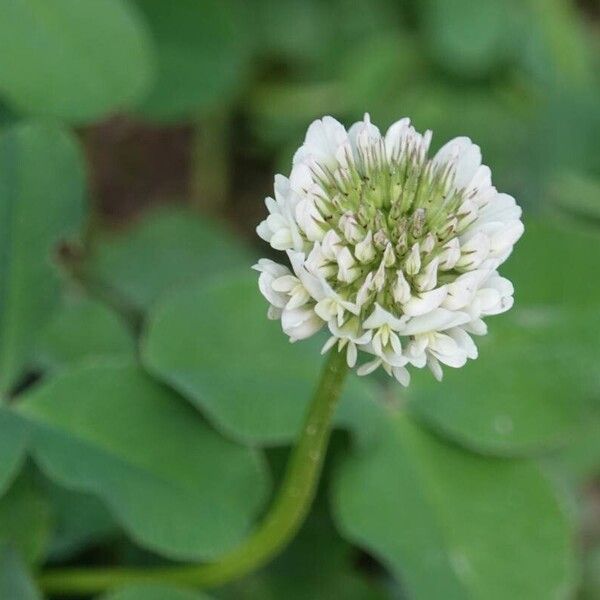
(285, 517)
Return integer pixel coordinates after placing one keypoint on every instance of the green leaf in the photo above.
(578, 464)
(590, 590)
(576, 195)
(470, 38)
(318, 564)
(16, 583)
(555, 265)
(41, 202)
(14, 435)
(81, 330)
(167, 249)
(454, 525)
(525, 392)
(557, 48)
(25, 518)
(73, 60)
(154, 591)
(215, 345)
(176, 486)
(201, 57)
(79, 520)
(376, 73)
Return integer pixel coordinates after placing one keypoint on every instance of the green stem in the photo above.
(283, 520)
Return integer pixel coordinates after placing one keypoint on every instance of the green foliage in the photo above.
(41, 202)
(15, 580)
(544, 350)
(73, 60)
(450, 523)
(154, 592)
(318, 565)
(156, 455)
(13, 445)
(25, 518)
(167, 249)
(201, 58)
(79, 521)
(471, 38)
(175, 485)
(80, 330)
(266, 399)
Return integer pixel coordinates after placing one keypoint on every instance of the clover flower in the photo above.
(394, 252)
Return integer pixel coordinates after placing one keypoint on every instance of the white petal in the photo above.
(464, 341)
(506, 238)
(380, 317)
(402, 375)
(300, 323)
(425, 302)
(436, 320)
(435, 367)
(368, 367)
(323, 138)
(465, 155)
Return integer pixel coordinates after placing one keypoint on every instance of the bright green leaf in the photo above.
(176, 486)
(16, 583)
(215, 345)
(555, 265)
(168, 248)
(201, 56)
(41, 202)
(13, 446)
(81, 330)
(25, 518)
(454, 525)
(524, 393)
(70, 59)
(537, 364)
(154, 591)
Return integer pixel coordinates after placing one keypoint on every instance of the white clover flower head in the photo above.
(394, 252)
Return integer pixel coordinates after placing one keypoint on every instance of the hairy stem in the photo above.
(286, 515)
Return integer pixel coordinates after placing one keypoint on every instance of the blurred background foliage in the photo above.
(147, 403)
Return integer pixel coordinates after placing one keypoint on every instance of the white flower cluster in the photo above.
(396, 253)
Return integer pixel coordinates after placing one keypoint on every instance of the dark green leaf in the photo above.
(318, 565)
(41, 202)
(14, 435)
(25, 518)
(81, 330)
(16, 582)
(70, 59)
(79, 520)
(454, 525)
(165, 250)
(154, 591)
(175, 485)
(201, 56)
(215, 345)
(591, 576)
